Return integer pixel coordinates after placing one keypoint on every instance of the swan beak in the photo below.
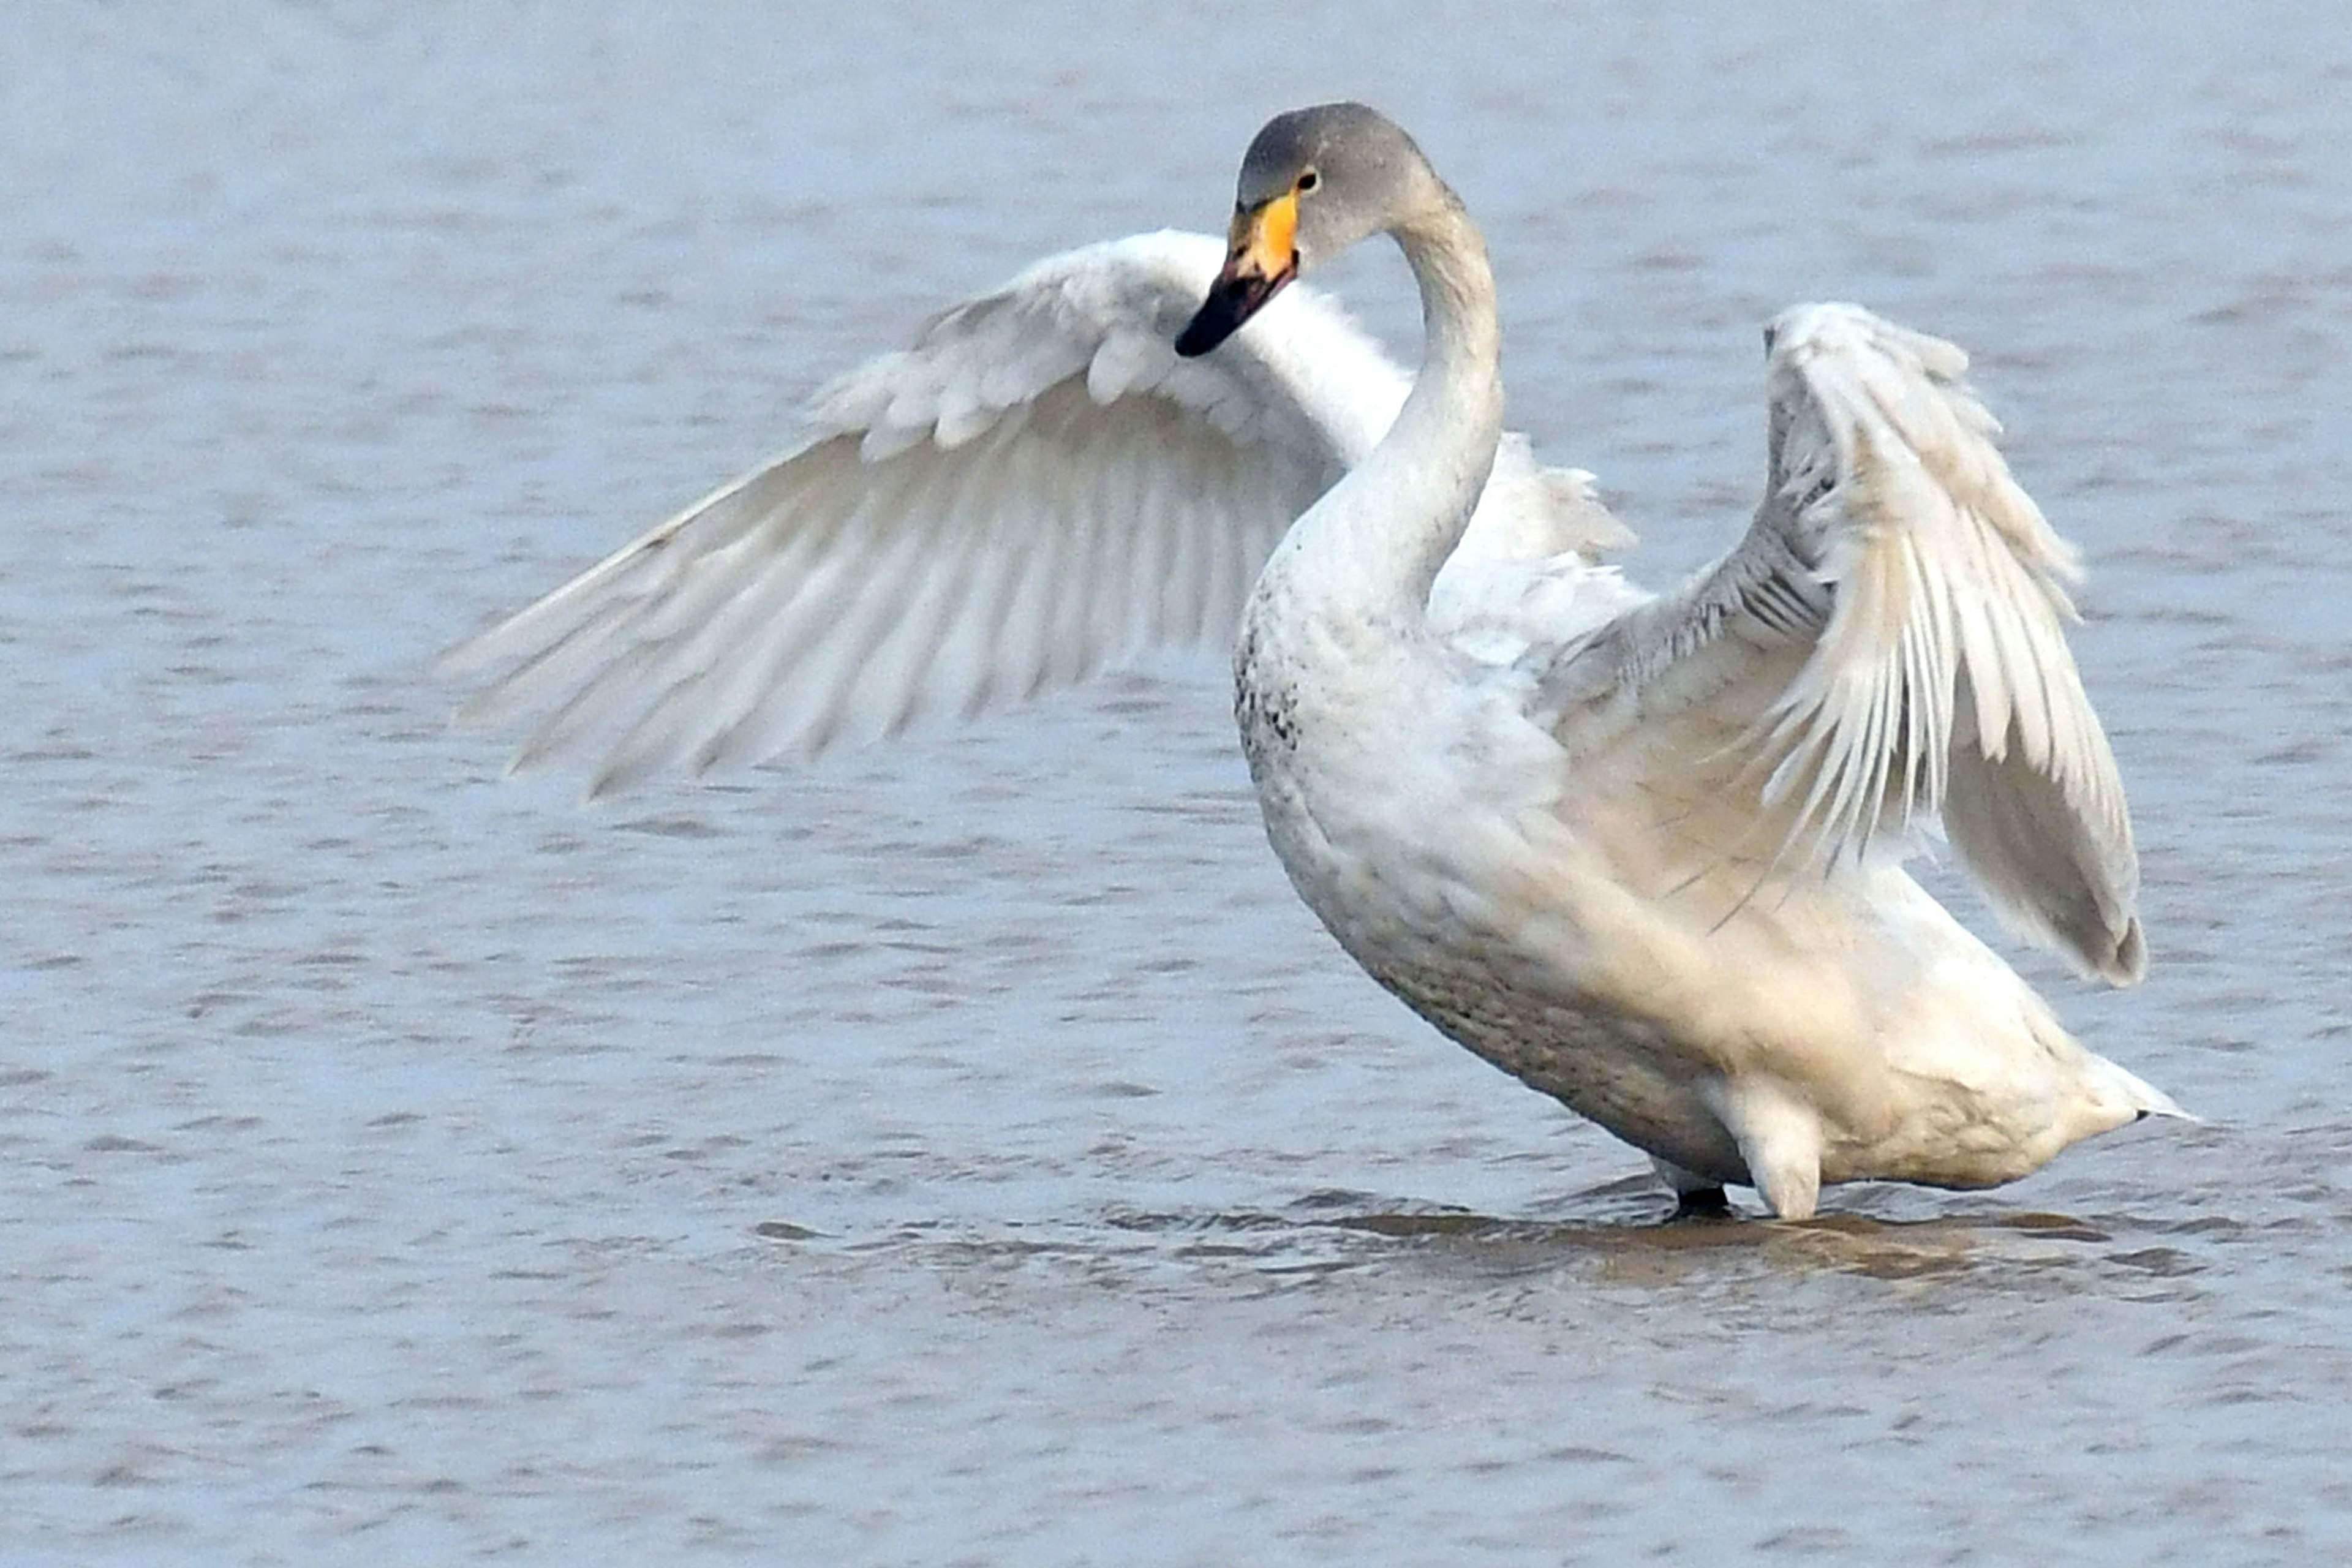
(1262, 256)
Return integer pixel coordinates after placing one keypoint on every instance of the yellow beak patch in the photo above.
(1263, 240)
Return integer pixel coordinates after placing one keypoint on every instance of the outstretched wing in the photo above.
(1037, 488)
(1888, 644)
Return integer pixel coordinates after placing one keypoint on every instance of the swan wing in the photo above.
(1037, 489)
(1886, 646)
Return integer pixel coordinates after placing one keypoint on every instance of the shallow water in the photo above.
(968, 1151)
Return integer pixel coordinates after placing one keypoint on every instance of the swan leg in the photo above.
(1696, 1197)
(1780, 1138)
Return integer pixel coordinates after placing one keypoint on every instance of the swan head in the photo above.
(1314, 182)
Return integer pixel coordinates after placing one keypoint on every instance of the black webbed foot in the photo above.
(1705, 1203)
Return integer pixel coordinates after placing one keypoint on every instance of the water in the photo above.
(968, 1151)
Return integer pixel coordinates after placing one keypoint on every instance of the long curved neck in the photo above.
(1374, 543)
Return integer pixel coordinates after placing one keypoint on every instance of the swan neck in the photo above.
(1462, 365)
(1444, 438)
(1380, 536)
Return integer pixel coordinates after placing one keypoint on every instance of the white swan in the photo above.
(1640, 852)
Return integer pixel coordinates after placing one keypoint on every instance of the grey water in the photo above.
(967, 1151)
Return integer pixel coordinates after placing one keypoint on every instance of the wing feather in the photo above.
(1904, 605)
(1037, 488)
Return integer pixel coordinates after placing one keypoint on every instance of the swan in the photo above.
(1643, 851)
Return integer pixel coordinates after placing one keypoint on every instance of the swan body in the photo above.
(1643, 852)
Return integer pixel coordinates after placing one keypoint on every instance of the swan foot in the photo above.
(1705, 1203)
(1696, 1197)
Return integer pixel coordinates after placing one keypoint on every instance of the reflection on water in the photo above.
(968, 1151)
(1616, 1234)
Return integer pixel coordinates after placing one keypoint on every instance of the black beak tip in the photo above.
(1212, 324)
(1231, 301)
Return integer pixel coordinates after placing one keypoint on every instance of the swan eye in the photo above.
(1308, 180)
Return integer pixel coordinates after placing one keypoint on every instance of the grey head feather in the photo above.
(1368, 174)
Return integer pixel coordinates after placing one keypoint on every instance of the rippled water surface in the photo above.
(968, 1151)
